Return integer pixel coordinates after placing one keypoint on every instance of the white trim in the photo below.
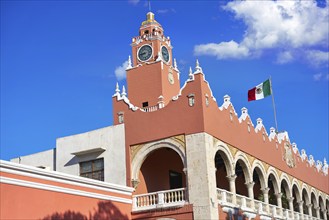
(30, 171)
(52, 188)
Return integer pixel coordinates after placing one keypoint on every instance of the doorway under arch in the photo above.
(161, 170)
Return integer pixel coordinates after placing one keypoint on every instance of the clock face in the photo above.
(144, 53)
(165, 53)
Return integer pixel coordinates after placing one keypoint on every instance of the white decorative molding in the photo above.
(226, 103)
(311, 160)
(259, 124)
(318, 165)
(29, 171)
(59, 189)
(294, 147)
(325, 167)
(272, 134)
(303, 155)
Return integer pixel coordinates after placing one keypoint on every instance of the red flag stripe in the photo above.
(252, 94)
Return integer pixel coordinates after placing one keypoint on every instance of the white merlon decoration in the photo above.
(303, 155)
(123, 94)
(226, 103)
(294, 147)
(198, 69)
(129, 64)
(311, 160)
(283, 135)
(272, 133)
(325, 167)
(318, 165)
(259, 124)
(244, 114)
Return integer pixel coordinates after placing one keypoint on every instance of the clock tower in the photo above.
(152, 77)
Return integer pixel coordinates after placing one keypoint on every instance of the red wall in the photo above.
(179, 118)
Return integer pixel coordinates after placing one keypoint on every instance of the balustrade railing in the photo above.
(226, 198)
(161, 199)
(150, 108)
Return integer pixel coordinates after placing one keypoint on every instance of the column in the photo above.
(291, 203)
(317, 209)
(309, 207)
(186, 181)
(231, 180)
(250, 187)
(201, 176)
(324, 211)
(279, 201)
(265, 194)
(300, 206)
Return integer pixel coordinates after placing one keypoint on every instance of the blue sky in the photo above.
(60, 61)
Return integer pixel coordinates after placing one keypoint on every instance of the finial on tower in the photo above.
(175, 63)
(129, 63)
(190, 75)
(124, 94)
(198, 69)
(117, 90)
(149, 5)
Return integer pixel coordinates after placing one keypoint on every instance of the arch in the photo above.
(245, 165)
(298, 191)
(275, 181)
(284, 177)
(262, 173)
(314, 202)
(316, 195)
(145, 150)
(322, 206)
(226, 155)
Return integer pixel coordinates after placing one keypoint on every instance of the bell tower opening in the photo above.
(154, 72)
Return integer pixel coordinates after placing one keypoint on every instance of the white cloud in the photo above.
(120, 71)
(284, 57)
(133, 2)
(321, 77)
(317, 57)
(222, 50)
(271, 25)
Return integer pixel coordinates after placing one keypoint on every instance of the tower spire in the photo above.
(149, 6)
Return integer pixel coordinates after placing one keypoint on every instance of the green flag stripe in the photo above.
(267, 88)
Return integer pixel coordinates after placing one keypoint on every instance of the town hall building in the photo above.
(172, 153)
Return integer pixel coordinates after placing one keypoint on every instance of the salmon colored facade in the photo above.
(183, 155)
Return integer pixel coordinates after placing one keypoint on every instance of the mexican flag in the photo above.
(261, 91)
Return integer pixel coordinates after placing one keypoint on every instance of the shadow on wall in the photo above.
(106, 210)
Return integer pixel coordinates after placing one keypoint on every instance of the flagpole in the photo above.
(276, 123)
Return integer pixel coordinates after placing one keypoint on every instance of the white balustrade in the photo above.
(150, 108)
(226, 198)
(161, 199)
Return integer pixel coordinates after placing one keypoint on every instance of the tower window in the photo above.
(145, 104)
(146, 32)
(120, 117)
(191, 100)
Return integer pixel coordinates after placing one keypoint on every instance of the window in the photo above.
(175, 180)
(191, 100)
(145, 104)
(93, 169)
